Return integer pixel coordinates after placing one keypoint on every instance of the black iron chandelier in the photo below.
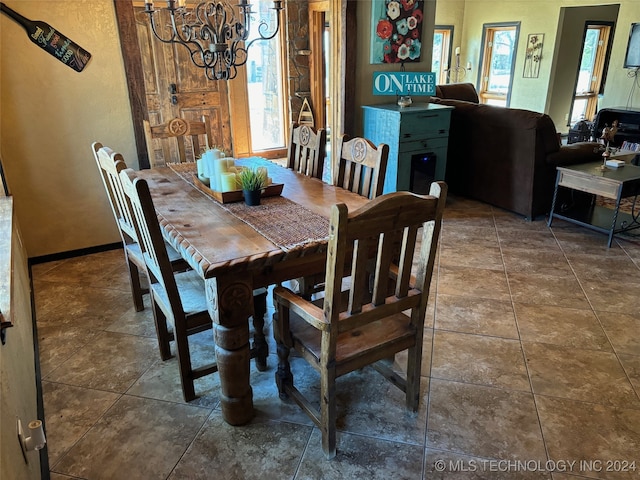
(215, 37)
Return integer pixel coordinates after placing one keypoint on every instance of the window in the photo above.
(590, 82)
(265, 86)
(498, 60)
(440, 59)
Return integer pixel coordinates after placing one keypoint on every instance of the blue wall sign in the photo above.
(404, 83)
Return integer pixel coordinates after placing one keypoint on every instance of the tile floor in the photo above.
(535, 373)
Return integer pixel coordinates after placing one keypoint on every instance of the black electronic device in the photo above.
(632, 57)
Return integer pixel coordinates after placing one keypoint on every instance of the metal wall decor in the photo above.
(533, 55)
(212, 33)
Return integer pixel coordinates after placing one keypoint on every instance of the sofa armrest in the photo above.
(575, 153)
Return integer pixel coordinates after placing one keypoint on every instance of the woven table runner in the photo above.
(280, 220)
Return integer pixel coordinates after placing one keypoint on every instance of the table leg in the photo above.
(260, 349)
(230, 303)
(553, 202)
(616, 210)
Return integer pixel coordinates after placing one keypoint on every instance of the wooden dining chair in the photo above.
(348, 330)
(178, 298)
(361, 169)
(178, 140)
(110, 164)
(361, 166)
(306, 152)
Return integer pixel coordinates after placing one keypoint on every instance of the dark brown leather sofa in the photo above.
(506, 157)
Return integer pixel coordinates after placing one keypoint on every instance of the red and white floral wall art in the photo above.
(396, 35)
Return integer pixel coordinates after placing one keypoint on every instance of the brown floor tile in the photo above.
(274, 451)
(482, 316)
(569, 327)
(474, 282)
(499, 280)
(520, 260)
(138, 438)
(631, 365)
(82, 306)
(69, 413)
(604, 268)
(113, 363)
(483, 422)
(529, 239)
(58, 343)
(361, 457)
(584, 241)
(546, 290)
(619, 328)
(613, 296)
(465, 235)
(482, 360)
(474, 256)
(591, 433)
(584, 375)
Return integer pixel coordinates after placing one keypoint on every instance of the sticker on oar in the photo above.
(51, 40)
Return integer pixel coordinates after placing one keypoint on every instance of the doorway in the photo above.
(441, 56)
(592, 69)
(163, 84)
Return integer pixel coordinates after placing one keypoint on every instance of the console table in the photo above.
(613, 183)
(417, 135)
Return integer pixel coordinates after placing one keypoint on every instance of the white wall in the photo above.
(547, 93)
(18, 396)
(50, 116)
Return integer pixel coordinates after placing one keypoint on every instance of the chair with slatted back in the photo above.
(361, 166)
(110, 164)
(180, 140)
(352, 327)
(178, 298)
(307, 150)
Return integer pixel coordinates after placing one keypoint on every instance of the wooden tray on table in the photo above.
(272, 190)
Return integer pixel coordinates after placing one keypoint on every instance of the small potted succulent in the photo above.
(252, 181)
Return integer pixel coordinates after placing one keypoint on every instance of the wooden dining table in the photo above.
(234, 257)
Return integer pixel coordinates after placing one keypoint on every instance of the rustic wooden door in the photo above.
(174, 87)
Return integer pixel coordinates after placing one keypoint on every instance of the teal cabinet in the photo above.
(415, 135)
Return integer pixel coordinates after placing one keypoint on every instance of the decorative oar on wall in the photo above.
(51, 40)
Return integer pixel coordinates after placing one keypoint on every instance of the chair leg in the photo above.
(328, 411)
(184, 361)
(260, 348)
(283, 373)
(414, 355)
(136, 288)
(162, 332)
(284, 376)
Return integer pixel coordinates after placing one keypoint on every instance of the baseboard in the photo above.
(74, 253)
